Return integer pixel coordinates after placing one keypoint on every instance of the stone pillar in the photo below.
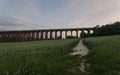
(41, 35)
(66, 34)
(60, 34)
(5, 36)
(26, 36)
(71, 33)
(15, 36)
(18, 36)
(82, 35)
(51, 35)
(37, 35)
(88, 33)
(46, 35)
(55, 34)
(8, 38)
(22, 36)
(25, 33)
(94, 30)
(77, 33)
(32, 35)
(12, 37)
(0, 36)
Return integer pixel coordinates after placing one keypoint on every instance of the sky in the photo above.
(47, 14)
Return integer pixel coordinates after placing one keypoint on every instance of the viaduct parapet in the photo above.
(43, 34)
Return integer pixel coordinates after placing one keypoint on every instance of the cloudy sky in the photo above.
(38, 14)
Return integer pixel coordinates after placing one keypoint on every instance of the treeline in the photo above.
(109, 29)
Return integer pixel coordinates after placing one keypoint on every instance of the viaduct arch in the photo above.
(42, 34)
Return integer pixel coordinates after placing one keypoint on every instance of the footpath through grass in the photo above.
(104, 55)
(38, 58)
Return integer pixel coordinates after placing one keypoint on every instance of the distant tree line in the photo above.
(109, 29)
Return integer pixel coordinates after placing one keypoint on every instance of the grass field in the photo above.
(38, 58)
(104, 55)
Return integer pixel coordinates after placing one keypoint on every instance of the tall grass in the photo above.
(104, 55)
(38, 58)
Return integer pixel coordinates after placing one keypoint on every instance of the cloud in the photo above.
(32, 7)
(90, 7)
(105, 19)
(27, 8)
(60, 14)
(17, 23)
(77, 23)
(102, 19)
(88, 13)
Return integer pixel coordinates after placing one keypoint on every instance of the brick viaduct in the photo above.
(33, 35)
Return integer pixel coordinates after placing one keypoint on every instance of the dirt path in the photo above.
(81, 50)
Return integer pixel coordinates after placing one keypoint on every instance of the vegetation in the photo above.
(104, 55)
(109, 29)
(49, 57)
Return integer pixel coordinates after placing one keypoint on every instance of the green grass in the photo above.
(38, 58)
(104, 55)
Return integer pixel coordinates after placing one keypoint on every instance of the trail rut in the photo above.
(81, 50)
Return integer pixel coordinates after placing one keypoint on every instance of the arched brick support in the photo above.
(46, 35)
(32, 35)
(82, 35)
(56, 34)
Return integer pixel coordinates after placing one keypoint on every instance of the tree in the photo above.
(109, 29)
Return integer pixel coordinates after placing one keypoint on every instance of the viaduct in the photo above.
(43, 34)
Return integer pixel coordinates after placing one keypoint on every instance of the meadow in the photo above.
(104, 55)
(49, 57)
